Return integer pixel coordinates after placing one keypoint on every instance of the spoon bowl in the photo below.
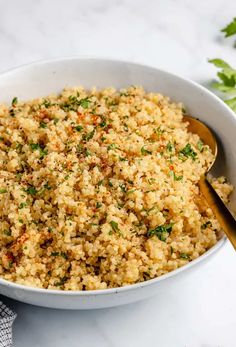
(220, 210)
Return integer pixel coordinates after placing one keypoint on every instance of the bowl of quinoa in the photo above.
(99, 189)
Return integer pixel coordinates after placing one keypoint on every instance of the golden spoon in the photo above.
(221, 212)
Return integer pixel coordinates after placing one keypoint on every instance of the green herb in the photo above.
(100, 182)
(89, 136)
(1, 138)
(31, 190)
(200, 145)
(78, 128)
(37, 146)
(55, 254)
(207, 224)
(231, 103)
(87, 152)
(43, 125)
(55, 121)
(110, 183)
(47, 103)
(230, 29)
(175, 177)
(162, 231)
(3, 190)
(22, 205)
(103, 138)
(21, 221)
(187, 151)
(131, 191)
(151, 180)
(98, 204)
(184, 256)
(7, 232)
(84, 102)
(227, 83)
(122, 159)
(111, 146)
(123, 188)
(170, 147)
(115, 227)
(47, 186)
(14, 101)
(159, 131)
(103, 123)
(66, 177)
(145, 151)
(64, 255)
(61, 282)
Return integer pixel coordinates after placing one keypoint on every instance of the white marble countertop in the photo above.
(173, 35)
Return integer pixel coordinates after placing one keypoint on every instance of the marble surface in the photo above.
(173, 35)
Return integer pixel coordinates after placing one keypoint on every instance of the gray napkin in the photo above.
(7, 318)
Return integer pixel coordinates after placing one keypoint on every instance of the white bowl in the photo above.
(40, 79)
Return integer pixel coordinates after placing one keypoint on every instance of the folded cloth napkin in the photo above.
(7, 318)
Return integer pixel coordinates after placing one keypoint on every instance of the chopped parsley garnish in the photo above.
(14, 101)
(78, 128)
(61, 282)
(55, 121)
(31, 190)
(7, 232)
(47, 103)
(103, 123)
(200, 145)
(162, 231)
(175, 177)
(115, 227)
(206, 225)
(111, 146)
(22, 205)
(145, 151)
(84, 103)
(37, 146)
(123, 188)
(188, 152)
(55, 254)
(3, 190)
(159, 131)
(43, 125)
(122, 159)
(89, 136)
(184, 256)
(170, 147)
(98, 204)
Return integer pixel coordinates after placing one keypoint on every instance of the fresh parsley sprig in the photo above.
(227, 81)
(230, 29)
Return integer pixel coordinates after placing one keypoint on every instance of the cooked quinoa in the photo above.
(98, 189)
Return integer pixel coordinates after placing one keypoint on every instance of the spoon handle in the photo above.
(221, 212)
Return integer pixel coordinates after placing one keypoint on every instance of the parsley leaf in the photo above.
(14, 101)
(78, 128)
(184, 256)
(115, 227)
(187, 151)
(145, 151)
(227, 83)
(230, 29)
(161, 231)
(31, 190)
(3, 190)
